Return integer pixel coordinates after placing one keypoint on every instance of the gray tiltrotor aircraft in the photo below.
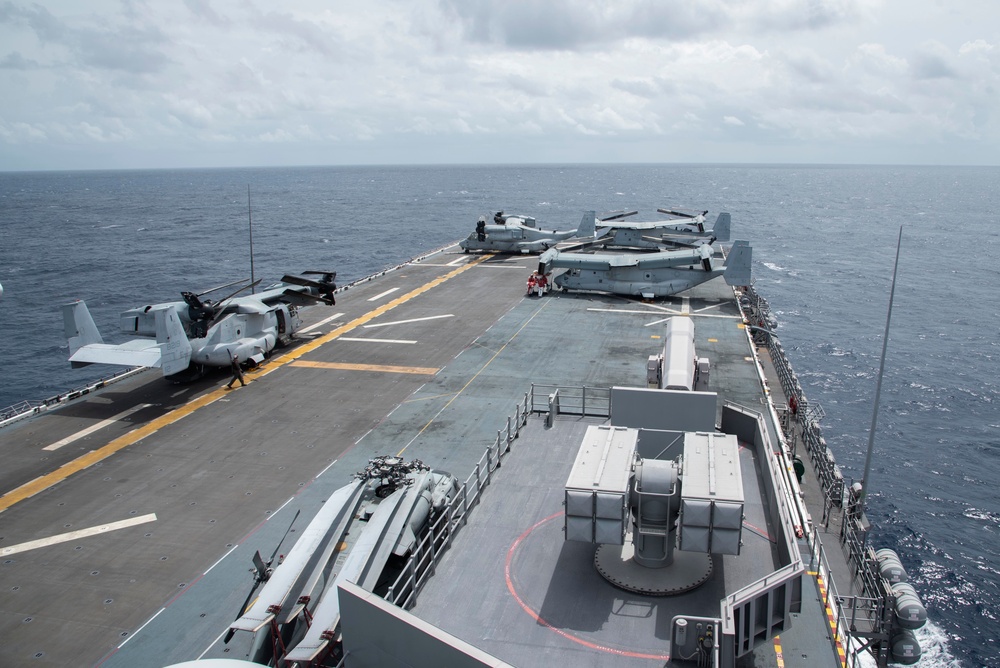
(196, 332)
(518, 234)
(654, 235)
(647, 275)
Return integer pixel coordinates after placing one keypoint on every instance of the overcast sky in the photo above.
(197, 83)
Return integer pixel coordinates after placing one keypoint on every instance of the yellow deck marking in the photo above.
(79, 533)
(842, 655)
(366, 318)
(779, 657)
(43, 482)
(386, 368)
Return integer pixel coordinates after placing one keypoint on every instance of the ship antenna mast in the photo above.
(250, 221)
(878, 385)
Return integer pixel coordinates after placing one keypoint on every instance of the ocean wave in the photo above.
(934, 649)
(984, 515)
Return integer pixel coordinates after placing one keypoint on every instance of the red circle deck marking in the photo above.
(538, 618)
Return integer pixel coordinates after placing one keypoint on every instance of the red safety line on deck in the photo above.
(534, 615)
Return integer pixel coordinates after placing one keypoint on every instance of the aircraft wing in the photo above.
(652, 225)
(138, 352)
(597, 261)
(674, 258)
(605, 261)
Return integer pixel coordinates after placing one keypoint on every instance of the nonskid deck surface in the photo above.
(433, 378)
(515, 588)
(208, 466)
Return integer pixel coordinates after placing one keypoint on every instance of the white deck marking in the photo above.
(710, 306)
(382, 294)
(685, 311)
(222, 558)
(460, 259)
(100, 425)
(79, 533)
(320, 323)
(349, 338)
(136, 632)
(403, 322)
(330, 464)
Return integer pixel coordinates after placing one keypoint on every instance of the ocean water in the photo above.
(824, 242)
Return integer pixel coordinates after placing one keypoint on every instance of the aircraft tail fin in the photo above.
(738, 264)
(80, 328)
(721, 228)
(587, 225)
(86, 346)
(175, 349)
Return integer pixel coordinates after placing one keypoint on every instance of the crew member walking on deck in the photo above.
(234, 363)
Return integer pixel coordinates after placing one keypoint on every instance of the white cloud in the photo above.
(232, 78)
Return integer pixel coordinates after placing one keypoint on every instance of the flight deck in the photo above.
(130, 543)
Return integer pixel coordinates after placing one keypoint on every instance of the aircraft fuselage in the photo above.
(636, 281)
(513, 239)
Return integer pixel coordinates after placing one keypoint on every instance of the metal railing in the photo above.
(442, 530)
(857, 617)
(583, 401)
(805, 414)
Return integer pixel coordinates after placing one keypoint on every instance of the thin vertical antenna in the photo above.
(878, 384)
(253, 290)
